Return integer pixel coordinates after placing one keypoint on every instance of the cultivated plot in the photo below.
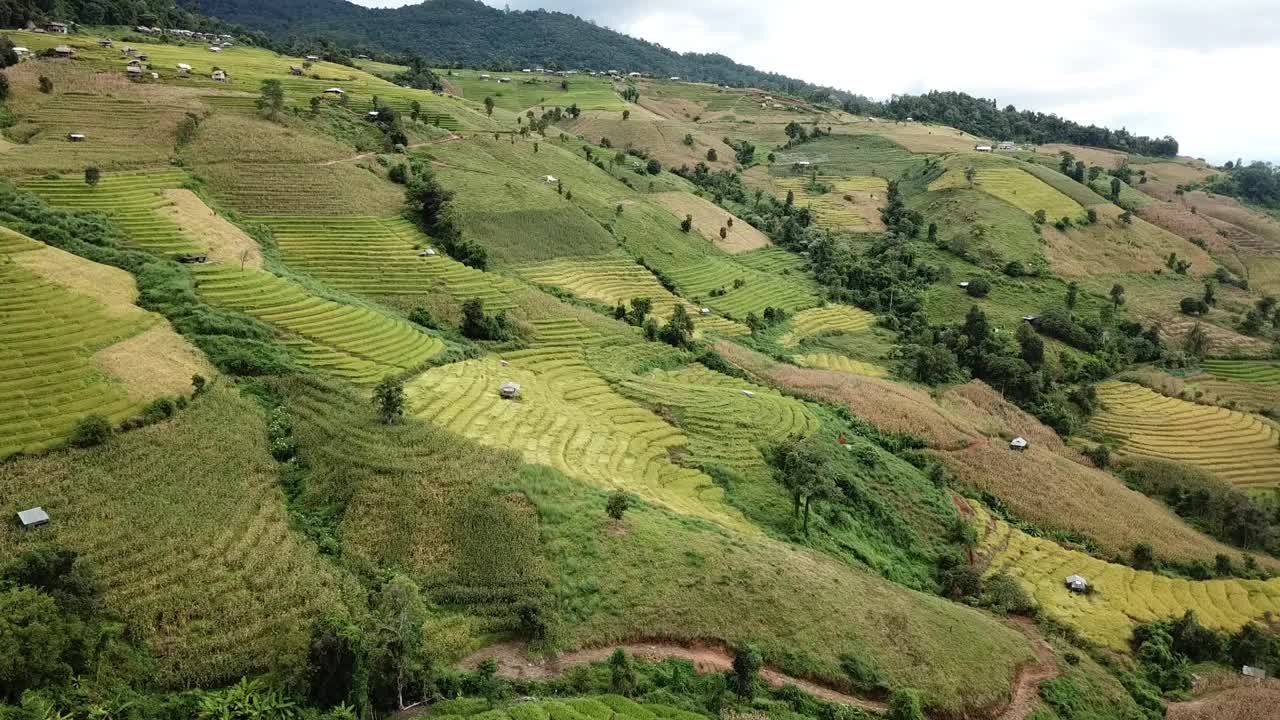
(134, 201)
(829, 319)
(1014, 186)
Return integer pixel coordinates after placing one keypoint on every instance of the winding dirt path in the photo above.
(514, 663)
(1026, 686)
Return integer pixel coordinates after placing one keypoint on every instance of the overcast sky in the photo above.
(1204, 72)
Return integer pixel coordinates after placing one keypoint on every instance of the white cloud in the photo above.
(1197, 71)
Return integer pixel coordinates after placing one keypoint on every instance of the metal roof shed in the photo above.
(33, 517)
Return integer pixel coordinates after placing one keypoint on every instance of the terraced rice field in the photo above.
(350, 342)
(1122, 596)
(131, 200)
(47, 337)
(379, 256)
(852, 203)
(829, 319)
(1016, 187)
(568, 417)
(292, 189)
(774, 260)
(698, 279)
(832, 361)
(1252, 371)
(601, 707)
(725, 424)
(1238, 447)
(612, 280)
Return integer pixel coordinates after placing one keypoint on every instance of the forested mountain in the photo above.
(161, 13)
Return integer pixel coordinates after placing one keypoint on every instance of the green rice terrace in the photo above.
(346, 384)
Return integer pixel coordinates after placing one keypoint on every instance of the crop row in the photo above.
(1121, 595)
(1254, 371)
(351, 342)
(840, 206)
(828, 319)
(754, 292)
(613, 280)
(773, 260)
(1016, 187)
(568, 417)
(379, 256)
(47, 380)
(129, 199)
(832, 361)
(1238, 447)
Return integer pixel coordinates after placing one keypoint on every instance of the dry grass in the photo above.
(921, 138)
(1223, 238)
(112, 287)
(990, 411)
(224, 242)
(1094, 156)
(1228, 210)
(1110, 245)
(1230, 696)
(708, 218)
(663, 139)
(155, 363)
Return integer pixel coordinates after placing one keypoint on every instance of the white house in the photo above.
(484, 76)
(982, 148)
(704, 311)
(1019, 443)
(964, 284)
(633, 74)
(675, 77)
(1077, 584)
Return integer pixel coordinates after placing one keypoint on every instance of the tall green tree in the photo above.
(270, 100)
(399, 619)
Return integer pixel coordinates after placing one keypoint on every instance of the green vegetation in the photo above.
(840, 155)
(130, 200)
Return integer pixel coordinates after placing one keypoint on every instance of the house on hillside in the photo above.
(219, 75)
(1255, 674)
(56, 27)
(982, 148)
(675, 78)
(104, 42)
(21, 52)
(504, 80)
(1006, 145)
(484, 76)
(129, 50)
(1019, 443)
(64, 51)
(339, 92)
(633, 74)
(1077, 584)
(215, 48)
(183, 69)
(133, 71)
(312, 58)
(33, 517)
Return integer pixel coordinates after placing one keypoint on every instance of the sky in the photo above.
(1206, 73)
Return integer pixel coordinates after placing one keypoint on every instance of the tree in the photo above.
(4, 86)
(804, 468)
(640, 308)
(626, 114)
(1117, 295)
(398, 619)
(564, 85)
(46, 85)
(1041, 217)
(59, 573)
(653, 167)
(488, 105)
(1143, 556)
(617, 504)
(688, 139)
(1193, 306)
(8, 56)
(388, 397)
(724, 233)
(978, 287)
(90, 431)
(622, 674)
(1209, 293)
(1115, 190)
(678, 331)
(1073, 294)
(969, 174)
(271, 100)
(1197, 342)
(36, 641)
(415, 111)
(687, 223)
(198, 384)
(711, 155)
(746, 672)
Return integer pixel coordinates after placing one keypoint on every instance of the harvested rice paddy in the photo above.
(354, 343)
(830, 319)
(832, 361)
(1238, 447)
(1122, 596)
(1014, 186)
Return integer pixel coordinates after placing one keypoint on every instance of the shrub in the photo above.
(422, 316)
(90, 431)
(978, 287)
(864, 677)
(46, 85)
(1193, 306)
(711, 155)
(905, 704)
(1099, 455)
(617, 504)
(388, 396)
(1003, 594)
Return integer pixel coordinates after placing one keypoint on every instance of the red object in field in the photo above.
(842, 440)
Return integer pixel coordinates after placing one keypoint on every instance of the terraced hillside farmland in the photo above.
(829, 319)
(729, 421)
(848, 156)
(379, 256)
(1121, 596)
(841, 203)
(1014, 186)
(50, 334)
(214, 580)
(354, 343)
(709, 218)
(618, 279)
(832, 361)
(1251, 371)
(569, 418)
(583, 708)
(1238, 447)
(131, 200)
(535, 90)
(774, 260)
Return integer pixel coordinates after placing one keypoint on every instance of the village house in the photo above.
(64, 51)
(219, 75)
(33, 517)
(56, 27)
(1006, 145)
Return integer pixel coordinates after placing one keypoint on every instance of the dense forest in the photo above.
(982, 117)
(1258, 182)
(163, 13)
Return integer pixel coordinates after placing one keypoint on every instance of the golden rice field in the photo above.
(774, 260)
(131, 200)
(828, 319)
(1238, 447)
(1016, 187)
(852, 204)
(833, 361)
(48, 335)
(568, 417)
(612, 280)
(379, 256)
(1122, 596)
(355, 343)
(294, 189)
(699, 279)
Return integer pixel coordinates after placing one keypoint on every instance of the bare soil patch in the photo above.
(225, 243)
(708, 218)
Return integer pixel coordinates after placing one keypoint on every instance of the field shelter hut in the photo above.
(183, 69)
(1019, 443)
(75, 137)
(64, 51)
(56, 27)
(134, 71)
(1075, 583)
(335, 91)
(1256, 674)
(549, 179)
(509, 390)
(295, 69)
(33, 517)
(983, 148)
(104, 42)
(21, 52)
(219, 75)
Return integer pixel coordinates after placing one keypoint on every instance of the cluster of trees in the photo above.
(431, 205)
(983, 117)
(152, 13)
(1166, 649)
(418, 74)
(1257, 182)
